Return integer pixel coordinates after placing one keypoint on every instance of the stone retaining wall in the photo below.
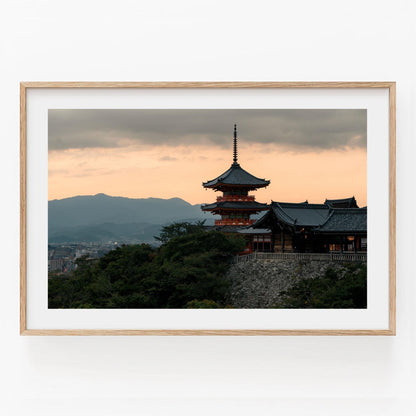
(258, 283)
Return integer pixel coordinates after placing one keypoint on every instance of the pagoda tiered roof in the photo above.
(235, 206)
(236, 176)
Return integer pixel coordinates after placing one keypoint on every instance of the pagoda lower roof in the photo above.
(236, 176)
(229, 228)
(250, 230)
(235, 206)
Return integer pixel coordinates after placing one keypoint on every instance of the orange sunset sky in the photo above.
(306, 154)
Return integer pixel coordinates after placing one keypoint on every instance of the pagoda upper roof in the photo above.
(236, 176)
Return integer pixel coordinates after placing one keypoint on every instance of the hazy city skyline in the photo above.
(306, 154)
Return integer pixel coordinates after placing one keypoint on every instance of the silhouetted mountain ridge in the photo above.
(101, 208)
(102, 217)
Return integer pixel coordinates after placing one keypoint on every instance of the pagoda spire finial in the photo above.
(235, 145)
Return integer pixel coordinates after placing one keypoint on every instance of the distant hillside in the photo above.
(101, 208)
(101, 217)
(124, 233)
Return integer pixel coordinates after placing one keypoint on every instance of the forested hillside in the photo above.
(188, 270)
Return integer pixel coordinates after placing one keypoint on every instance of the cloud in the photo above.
(294, 129)
(167, 159)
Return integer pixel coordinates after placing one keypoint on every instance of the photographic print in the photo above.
(207, 208)
(188, 208)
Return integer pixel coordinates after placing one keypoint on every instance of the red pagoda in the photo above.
(235, 205)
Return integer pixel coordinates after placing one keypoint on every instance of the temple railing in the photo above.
(336, 257)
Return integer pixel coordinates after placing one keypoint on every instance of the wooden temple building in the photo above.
(310, 228)
(337, 225)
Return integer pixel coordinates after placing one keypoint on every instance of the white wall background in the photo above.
(81, 40)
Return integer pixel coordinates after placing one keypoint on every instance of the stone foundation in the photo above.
(258, 283)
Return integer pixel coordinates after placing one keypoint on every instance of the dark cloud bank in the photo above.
(295, 129)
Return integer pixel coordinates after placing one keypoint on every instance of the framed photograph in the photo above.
(207, 208)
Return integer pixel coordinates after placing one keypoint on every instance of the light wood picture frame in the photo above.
(389, 233)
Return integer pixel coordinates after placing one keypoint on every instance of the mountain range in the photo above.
(100, 218)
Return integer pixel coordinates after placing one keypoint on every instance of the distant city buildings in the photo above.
(62, 257)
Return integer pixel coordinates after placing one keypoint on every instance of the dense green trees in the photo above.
(187, 271)
(178, 229)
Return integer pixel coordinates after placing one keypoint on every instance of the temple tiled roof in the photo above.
(303, 214)
(237, 176)
(320, 217)
(345, 220)
(342, 203)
